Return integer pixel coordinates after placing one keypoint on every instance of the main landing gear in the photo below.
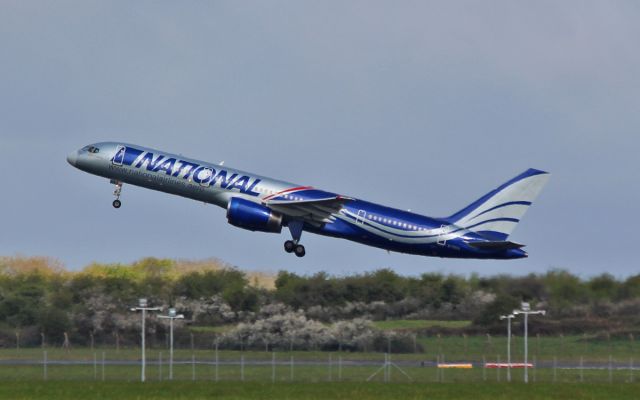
(292, 246)
(117, 203)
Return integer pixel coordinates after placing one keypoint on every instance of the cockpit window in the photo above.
(91, 149)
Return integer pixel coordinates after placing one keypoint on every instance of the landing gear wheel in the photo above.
(299, 250)
(116, 203)
(289, 246)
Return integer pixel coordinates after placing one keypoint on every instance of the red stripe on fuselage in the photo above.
(287, 191)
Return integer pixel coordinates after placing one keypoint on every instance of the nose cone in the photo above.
(73, 158)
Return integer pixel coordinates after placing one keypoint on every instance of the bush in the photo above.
(283, 331)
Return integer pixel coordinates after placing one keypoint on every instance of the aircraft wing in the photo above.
(309, 205)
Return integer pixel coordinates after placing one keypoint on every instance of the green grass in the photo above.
(303, 372)
(348, 390)
(544, 348)
(321, 381)
(410, 324)
(453, 347)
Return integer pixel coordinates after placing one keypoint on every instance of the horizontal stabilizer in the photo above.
(499, 245)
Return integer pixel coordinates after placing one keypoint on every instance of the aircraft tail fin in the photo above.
(496, 214)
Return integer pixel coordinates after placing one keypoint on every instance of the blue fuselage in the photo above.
(406, 232)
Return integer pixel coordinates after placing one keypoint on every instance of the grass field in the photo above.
(453, 347)
(337, 371)
(360, 391)
(306, 372)
(542, 348)
(306, 380)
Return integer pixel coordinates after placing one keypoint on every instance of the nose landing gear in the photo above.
(117, 203)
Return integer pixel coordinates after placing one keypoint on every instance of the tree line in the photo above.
(40, 298)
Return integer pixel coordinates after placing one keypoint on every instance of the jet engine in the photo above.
(246, 214)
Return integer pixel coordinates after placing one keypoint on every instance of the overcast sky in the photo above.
(417, 105)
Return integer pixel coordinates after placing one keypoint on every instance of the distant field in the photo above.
(452, 347)
(331, 368)
(360, 391)
(543, 348)
(409, 324)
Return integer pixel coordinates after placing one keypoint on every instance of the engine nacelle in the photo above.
(246, 214)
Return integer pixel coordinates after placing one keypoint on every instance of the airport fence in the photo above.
(437, 358)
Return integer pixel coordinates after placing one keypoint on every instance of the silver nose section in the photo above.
(73, 158)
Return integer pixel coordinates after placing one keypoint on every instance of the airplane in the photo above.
(257, 203)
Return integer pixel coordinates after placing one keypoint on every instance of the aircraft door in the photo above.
(361, 216)
(442, 236)
(118, 158)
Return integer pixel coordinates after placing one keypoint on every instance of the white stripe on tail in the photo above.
(496, 214)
